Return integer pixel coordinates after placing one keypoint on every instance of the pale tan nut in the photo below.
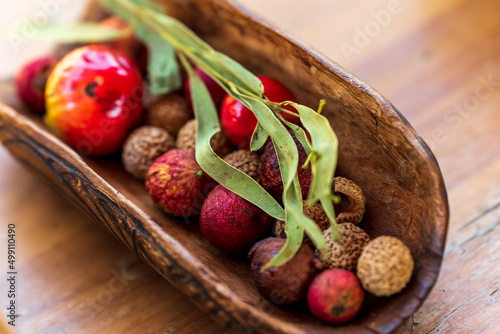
(169, 112)
(385, 266)
(354, 213)
(246, 161)
(186, 140)
(142, 147)
(345, 252)
(314, 212)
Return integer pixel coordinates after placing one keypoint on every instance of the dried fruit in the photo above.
(314, 212)
(345, 252)
(287, 283)
(270, 176)
(30, 82)
(170, 112)
(335, 296)
(239, 122)
(354, 195)
(186, 140)
(94, 99)
(142, 147)
(385, 266)
(177, 184)
(231, 223)
(246, 161)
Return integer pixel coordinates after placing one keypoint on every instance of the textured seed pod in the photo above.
(142, 147)
(385, 266)
(169, 112)
(345, 252)
(186, 140)
(246, 161)
(354, 194)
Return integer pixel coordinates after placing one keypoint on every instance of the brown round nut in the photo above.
(246, 161)
(142, 147)
(169, 112)
(314, 212)
(354, 194)
(186, 140)
(345, 252)
(287, 283)
(385, 266)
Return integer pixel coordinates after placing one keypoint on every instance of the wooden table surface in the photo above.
(437, 61)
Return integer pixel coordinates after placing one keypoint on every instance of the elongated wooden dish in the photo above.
(379, 150)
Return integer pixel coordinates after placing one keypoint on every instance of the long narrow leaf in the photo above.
(233, 179)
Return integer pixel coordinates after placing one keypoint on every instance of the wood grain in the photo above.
(431, 57)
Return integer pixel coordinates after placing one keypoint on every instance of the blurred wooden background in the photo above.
(437, 62)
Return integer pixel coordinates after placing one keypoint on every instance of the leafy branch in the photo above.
(168, 38)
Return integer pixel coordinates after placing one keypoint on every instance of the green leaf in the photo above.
(233, 179)
(229, 74)
(325, 145)
(259, 138)
(163, 69)
(79, 33)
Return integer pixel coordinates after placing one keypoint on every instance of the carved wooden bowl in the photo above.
(379, 150)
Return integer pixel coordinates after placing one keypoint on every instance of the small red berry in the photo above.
(31, 80)
(335, 295)
(239, 122)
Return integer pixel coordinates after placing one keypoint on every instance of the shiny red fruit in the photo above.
(30, 82)
(216, 92)
(130, 46)
(335, 296)
(239, 122)
(94, 99)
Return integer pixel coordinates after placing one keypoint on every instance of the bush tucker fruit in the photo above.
(170, 112)
(239, 122)
(177, 184)
(186, 140)
(335, 296)
(270, 176)
(30, 82)
(245, 161)
(231, 223)
(385, 266)
(345, 252)
(143, 147)
(287, 283)
(130, 46)
(94, 99)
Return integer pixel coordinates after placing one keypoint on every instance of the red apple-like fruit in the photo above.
(216, 92)
(30, 82)
(231, 223)
(239, 122)
(94, 99)
(335, 296)
(130, 46)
